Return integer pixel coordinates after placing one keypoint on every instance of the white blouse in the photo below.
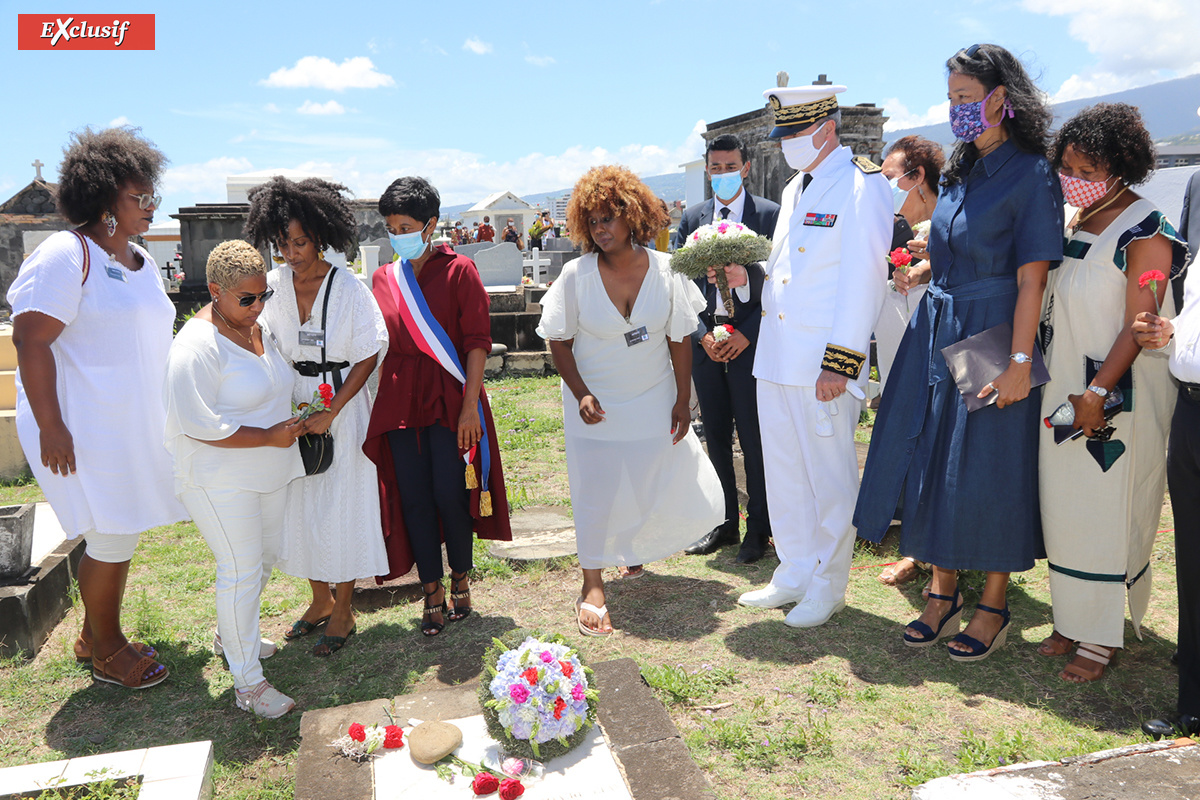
(214, 387)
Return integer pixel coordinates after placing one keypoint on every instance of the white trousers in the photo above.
(243, 530)
(812, 484)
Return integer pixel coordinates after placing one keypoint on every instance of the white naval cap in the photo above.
(797, 107)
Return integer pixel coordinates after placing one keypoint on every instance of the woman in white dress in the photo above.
(618, 322)
(92, 327)
(1101, 496)
(332, 530)
(230, 431)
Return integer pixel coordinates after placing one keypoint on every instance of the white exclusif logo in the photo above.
(66, 31)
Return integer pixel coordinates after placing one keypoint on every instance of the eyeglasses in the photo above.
(972, 50)
(247, 300)
(147, 201)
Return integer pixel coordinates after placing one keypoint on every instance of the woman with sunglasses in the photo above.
(92, 326)
(1102, 496)
(995, 232)
(331, 529)
(229, 428)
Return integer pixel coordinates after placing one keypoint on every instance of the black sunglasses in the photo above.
(247, 300)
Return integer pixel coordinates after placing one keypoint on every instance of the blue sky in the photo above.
(479, 98)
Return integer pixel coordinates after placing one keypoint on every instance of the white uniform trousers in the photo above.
(812, 483)
(243, 529)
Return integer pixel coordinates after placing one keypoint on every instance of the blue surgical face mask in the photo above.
(408, 245)
(899, 196)
(726, 186)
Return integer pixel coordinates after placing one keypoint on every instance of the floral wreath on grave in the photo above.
(539, 702)
(715, 245)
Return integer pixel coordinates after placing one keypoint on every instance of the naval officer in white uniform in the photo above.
(824, 288)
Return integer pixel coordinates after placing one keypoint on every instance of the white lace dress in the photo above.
(636, 498)
(331, 528)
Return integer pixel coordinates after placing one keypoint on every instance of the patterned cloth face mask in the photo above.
(1081, 193)
(968, 122)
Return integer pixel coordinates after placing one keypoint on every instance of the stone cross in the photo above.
(822, 81)
(37, 164)
(536, 261)
(781, 79)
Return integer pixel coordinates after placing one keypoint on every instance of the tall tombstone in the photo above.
(500, 265)
(201, 228)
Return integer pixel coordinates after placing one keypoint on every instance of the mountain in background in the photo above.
(669, 187)
(1168, 108)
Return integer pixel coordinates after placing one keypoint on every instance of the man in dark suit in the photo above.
(723, 371)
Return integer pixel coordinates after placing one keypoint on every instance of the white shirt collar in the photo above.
(736, 206)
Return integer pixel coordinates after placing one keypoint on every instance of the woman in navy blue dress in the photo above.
(968, 484)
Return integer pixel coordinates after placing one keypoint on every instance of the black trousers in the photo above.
(1183, 479)
(729, 399)
(435, 498)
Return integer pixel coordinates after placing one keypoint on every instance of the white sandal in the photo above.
(580, 606)
(264, 700)
(266, 648)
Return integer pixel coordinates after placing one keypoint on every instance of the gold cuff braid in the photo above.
(843, 361)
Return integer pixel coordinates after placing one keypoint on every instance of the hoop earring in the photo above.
(110, 222)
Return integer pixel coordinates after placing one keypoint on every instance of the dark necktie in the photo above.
(805, 182)
(724, 212)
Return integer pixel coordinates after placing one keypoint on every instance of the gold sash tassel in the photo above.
(472, 481)
(485, 503)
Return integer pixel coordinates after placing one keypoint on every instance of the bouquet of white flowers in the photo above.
(716, 245)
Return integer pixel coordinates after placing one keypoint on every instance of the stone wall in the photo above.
(13, 228)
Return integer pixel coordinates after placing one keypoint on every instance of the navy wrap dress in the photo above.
(966, 484)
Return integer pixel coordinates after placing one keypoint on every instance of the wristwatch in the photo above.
(1100, 390)
(1021, 358)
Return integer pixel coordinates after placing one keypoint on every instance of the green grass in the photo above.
(767, 711)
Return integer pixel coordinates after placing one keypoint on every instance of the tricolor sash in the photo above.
(432, 340)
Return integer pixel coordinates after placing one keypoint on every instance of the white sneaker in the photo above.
(264, 700)
(266, 648)
(770, 596)
(810, 613)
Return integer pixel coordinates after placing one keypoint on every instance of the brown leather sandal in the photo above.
(83, 650)
(135, 677)
(1055, 645)
(1088, 664)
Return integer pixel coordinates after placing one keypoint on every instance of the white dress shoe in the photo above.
(810, 613)
(770, 596)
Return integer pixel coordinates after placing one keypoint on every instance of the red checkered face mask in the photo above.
(1081, 193)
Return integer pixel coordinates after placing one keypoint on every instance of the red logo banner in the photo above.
(85, 31)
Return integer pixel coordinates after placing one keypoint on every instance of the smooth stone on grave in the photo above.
(430, 742)
(641, 736)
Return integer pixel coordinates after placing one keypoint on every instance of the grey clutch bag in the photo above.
(978, 360)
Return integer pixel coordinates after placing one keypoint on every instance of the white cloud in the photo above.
(1134, 43)
(202, 183)
(900, 118)
(321, 109)
(315, 72)
(119, 121)
(540, 61)
(431, 48)
(477, 46)
(271, 108)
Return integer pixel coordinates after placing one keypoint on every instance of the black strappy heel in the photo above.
(459, 612)
(428, 626)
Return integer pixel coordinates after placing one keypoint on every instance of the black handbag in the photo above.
(316, 450)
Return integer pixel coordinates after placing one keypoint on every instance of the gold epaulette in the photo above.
(843, 361)
(868, 166)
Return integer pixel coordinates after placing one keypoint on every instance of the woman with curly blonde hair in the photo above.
(618, 322)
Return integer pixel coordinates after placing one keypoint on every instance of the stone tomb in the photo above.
(639, 735)
(499, 266)
(31, 605)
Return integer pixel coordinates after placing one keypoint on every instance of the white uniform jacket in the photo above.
(827, 273)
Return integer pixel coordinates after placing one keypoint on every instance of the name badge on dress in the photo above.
(636, 336)
(115, 273)
(312, 338)
(820, 220)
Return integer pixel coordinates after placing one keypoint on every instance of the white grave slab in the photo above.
(589, 771)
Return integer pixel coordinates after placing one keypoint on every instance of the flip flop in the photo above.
(303, 627)
(332, 643)
(580, 606)
(635, 571)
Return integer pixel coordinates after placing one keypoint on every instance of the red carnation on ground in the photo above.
(393, 737)
(357, 732)
(511, 789)
(560, 706)
(530, 675)
(484, 783)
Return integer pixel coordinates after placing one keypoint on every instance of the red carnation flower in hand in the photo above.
(530, 675)
(326, 392)
(900, 258)
(357, 732)
(484, 783)
(1151, 276)
(567, 669)
(393, 737)
(560, 706)
(511, 789)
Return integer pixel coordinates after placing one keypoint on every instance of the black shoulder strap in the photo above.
(337, 373)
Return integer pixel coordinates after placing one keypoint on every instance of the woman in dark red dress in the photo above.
(431, 408)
